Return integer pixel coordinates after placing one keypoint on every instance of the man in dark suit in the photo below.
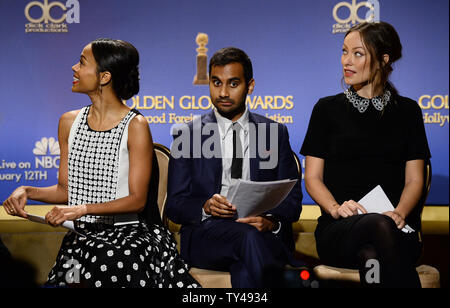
(211, 152)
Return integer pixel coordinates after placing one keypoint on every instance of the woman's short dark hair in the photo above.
(380, 38)
(229, 55)
(121, 59)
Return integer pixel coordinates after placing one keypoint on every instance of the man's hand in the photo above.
(219, 206)
(259, 222)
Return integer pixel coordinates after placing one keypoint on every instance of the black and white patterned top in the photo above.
(98, 166)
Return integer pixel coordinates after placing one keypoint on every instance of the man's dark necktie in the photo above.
(236, 165)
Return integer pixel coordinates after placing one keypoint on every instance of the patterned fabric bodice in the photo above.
(94, 163)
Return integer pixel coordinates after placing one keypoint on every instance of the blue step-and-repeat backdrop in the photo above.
(295, 46)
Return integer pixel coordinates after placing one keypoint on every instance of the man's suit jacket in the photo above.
(192, 181)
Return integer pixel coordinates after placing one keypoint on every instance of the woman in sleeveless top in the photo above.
(104, 175)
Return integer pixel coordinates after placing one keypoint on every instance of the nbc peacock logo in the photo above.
(46, 144)
(47, 153)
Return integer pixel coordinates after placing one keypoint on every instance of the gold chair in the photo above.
(162, 156)
(429, 276)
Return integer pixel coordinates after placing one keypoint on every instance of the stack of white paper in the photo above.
(376, 201)
(254, 198)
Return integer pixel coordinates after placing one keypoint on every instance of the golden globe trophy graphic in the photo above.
(202, 58)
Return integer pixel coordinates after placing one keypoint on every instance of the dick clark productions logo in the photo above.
(44, 19)
(344, 24)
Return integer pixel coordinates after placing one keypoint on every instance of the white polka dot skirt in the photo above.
(111, 256)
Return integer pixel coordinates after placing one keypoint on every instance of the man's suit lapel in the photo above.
(254, 161)
(213, 164)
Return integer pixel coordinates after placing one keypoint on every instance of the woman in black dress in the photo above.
(105, 169)
(367, 136)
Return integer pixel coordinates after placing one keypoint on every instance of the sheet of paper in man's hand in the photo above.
(254, 198)
(376, 201)
(68, 224)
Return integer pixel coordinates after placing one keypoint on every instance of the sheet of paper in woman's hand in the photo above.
(68, 224)
(376, 201)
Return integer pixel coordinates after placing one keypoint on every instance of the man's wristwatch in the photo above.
(276, 222)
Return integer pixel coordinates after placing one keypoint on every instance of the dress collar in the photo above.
(361, 103)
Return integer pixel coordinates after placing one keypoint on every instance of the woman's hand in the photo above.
(60, 214)
(16, 202)
(347, 209)
(397, 218)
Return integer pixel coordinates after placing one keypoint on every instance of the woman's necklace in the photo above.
(361, 103)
